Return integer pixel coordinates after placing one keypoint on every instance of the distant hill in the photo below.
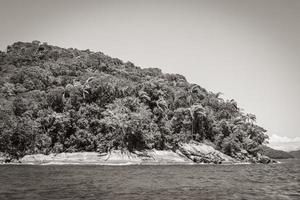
(296, 154)
(55, 100)
(277, 154)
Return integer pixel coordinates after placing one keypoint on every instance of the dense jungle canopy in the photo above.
(56, 100)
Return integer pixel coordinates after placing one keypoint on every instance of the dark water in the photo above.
(278, 181)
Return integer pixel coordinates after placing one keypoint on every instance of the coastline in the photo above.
(115, 158)
(192, 153)
(153, 157)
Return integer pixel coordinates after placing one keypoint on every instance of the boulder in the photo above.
(259, 158)
(263, 159)
(203, 153)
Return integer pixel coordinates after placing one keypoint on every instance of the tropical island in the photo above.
(62, 105)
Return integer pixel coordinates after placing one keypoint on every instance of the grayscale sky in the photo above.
(249, 50)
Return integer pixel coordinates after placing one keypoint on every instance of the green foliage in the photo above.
(67, 100)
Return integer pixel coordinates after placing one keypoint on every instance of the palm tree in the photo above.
(84, 88)
(250, 118)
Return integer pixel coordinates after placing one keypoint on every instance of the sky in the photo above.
(248, 50)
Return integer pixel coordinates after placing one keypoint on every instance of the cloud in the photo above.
(284, 143)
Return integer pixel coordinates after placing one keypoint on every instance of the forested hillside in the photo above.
(67, 100)
(276, 154)
(296, 154)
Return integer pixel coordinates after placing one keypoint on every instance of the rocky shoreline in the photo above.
(186, 154)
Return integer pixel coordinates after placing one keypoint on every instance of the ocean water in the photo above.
(274, 181)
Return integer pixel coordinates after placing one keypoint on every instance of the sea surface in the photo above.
(274, 181)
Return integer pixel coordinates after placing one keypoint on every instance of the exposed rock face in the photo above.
(202, 153)
(259, 158)
(113, 158)
(61, 158)
(164, 157)
(187, 153)
(263, 159)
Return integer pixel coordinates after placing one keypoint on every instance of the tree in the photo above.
(230, 145)
(129, 123)
(55, 99)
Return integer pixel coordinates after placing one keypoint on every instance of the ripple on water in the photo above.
(278, 181)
